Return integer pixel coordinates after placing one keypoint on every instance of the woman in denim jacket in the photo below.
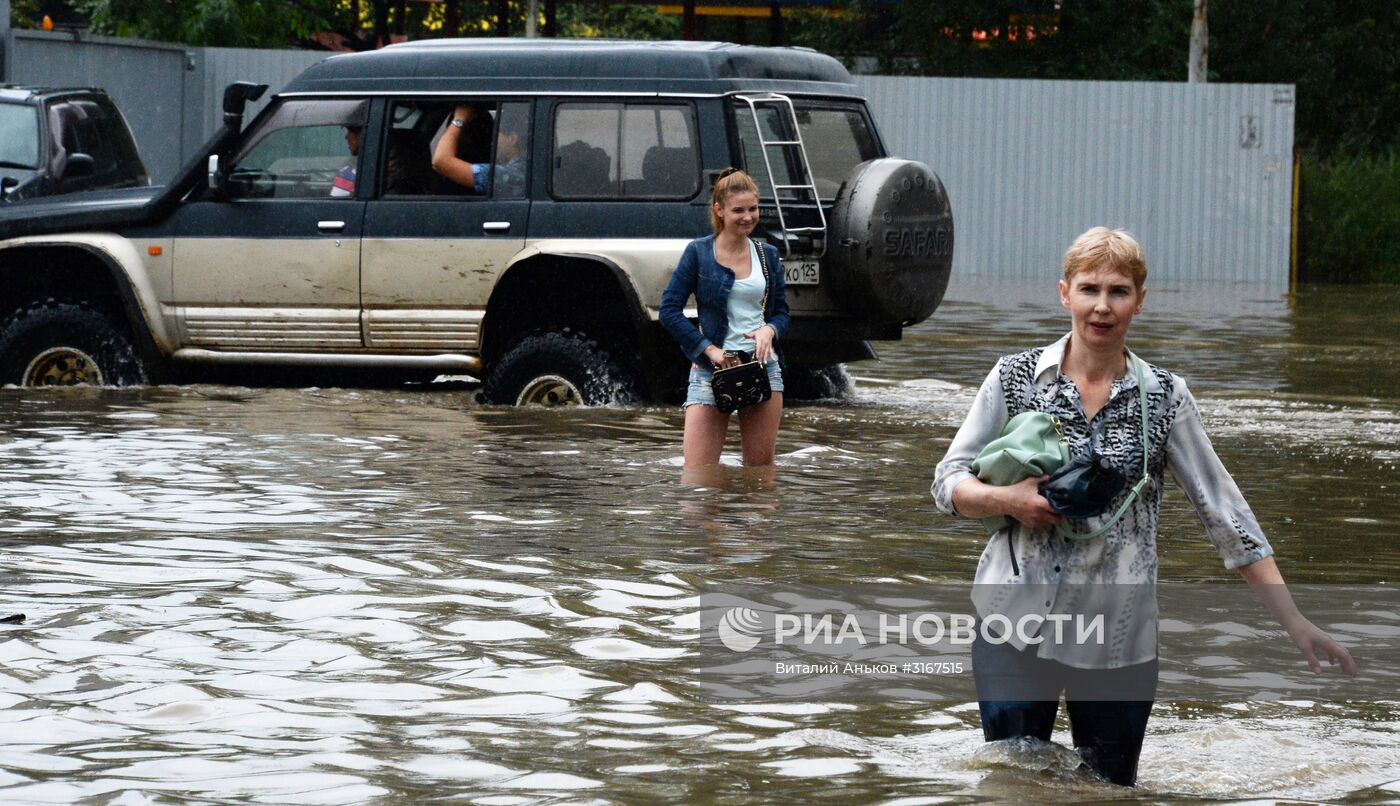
(730, 278)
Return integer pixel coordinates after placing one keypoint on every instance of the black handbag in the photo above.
(740, 386)
(746, 384)
(1086, 488)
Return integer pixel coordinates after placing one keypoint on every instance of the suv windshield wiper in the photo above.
(8, 164)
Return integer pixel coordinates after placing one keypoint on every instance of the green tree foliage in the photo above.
(1341, 54)
(223, 23)
(1346, 231)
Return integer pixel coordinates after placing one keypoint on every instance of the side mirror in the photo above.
(7, 184)
(216, 177)
(78, 166)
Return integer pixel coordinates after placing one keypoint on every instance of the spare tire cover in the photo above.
(890, 242)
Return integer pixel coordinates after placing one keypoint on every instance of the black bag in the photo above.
(1083, 489)
(741, 386)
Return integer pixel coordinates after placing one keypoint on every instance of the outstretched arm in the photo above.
(1266, 581)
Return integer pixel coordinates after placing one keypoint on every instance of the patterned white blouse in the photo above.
(1115, 574)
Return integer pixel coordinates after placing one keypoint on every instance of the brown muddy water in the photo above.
(336, 596)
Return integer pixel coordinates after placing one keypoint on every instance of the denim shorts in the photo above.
(700, 392)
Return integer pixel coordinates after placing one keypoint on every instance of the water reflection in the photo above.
(344, 595)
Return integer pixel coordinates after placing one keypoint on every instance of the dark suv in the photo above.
(63, 140)
(320, 235)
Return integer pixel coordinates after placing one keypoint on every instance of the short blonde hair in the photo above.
(730, 181)
(1109, 248)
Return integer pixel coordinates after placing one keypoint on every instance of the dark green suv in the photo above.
(320, 236)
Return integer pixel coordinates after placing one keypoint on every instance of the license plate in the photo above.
(807, 272)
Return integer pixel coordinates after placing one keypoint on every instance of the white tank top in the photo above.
(745, 310)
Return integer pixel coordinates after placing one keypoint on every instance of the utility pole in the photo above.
(530, 13)
(1200, 45)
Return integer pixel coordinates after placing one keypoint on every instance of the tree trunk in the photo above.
(1200, 45)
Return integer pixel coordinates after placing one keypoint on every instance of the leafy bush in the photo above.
(1348, 214)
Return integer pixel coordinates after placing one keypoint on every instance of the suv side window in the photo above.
(625, 151)
(495, 142)
(303, 150)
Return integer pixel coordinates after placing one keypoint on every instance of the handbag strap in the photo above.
(1137, 488)
(763, 265)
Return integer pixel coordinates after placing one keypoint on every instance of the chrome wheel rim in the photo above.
(549, 390)
(62, 366)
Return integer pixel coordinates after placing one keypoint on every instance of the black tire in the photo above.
(816, 383)
(54, 343)
(559, 369)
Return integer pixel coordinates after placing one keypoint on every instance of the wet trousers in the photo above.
(1019, 694)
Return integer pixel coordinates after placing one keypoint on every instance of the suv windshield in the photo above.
(19, 136)
(836, 136)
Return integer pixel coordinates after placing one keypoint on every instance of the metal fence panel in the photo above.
(1201, 173)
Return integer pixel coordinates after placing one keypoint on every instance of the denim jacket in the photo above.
(700, 274)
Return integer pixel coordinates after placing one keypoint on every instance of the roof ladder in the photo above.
(788, 118)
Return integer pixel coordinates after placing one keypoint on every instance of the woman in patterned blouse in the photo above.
(1088, 382)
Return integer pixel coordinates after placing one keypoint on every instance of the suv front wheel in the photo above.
(559, 369)
(66, 344)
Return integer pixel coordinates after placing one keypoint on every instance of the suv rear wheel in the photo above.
(559, 369)
(830, 382)
(66, 344)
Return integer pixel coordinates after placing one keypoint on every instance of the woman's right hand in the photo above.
(719, 359)
(1024, 502)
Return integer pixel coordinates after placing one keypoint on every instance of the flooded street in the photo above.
(338, 595)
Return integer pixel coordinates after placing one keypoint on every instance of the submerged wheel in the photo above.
(559, 369)
(549, 390)
(66, 344)
(816, 383)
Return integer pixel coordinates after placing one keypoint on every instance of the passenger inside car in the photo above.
(508, 171)
(408, 171)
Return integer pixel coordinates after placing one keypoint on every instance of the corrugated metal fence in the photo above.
(1200, 172)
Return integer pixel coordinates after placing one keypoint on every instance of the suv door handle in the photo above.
(330, 226)
(496, 226)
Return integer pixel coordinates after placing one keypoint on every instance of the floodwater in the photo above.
(334, 596)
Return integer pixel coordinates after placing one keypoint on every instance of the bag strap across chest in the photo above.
(1064, 529)
(763, 266)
